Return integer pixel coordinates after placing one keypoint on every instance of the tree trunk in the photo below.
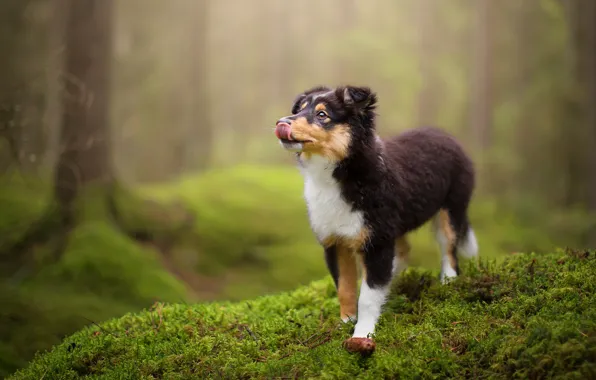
(12, 80)
(85, 187)
(428, 97)
(582, 20)
(586, 72)
(54, 93)
(199, 149)
(481, 81)
(84, 156)
(85, 132)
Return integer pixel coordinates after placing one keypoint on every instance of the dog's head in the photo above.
(325, 121)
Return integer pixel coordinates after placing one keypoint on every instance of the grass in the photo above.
(529, 316)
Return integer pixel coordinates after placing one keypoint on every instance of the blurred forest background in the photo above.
(139, 164)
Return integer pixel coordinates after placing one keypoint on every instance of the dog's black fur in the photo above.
(392, 186)
(398, 183)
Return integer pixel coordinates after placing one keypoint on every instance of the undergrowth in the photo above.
(530, 316)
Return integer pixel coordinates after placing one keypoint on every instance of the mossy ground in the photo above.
(249, 236)
(101, 274)
(530, 316)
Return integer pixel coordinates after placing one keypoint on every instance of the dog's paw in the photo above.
(350, 318)
(363, 346)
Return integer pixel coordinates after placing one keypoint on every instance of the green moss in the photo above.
(100, 260)
(22, 202)
(251, 229)
(102, 274)
(530, 316)
(248, 235)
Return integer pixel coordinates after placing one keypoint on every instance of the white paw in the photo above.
(447, 278)
(349, 318)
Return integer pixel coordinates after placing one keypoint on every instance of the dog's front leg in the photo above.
(342, 265)
(379, 266)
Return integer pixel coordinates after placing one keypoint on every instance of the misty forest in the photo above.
(151, 226)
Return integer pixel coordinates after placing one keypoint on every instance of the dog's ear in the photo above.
(360, 98)
(297, 103)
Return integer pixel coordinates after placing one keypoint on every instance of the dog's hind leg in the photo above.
(467, 245)
(455, 236)
(446, 237)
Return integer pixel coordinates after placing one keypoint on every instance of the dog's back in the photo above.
(432, 168)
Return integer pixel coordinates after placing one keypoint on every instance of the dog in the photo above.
(364, 194)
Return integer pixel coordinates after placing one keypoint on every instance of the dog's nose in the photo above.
(283, 121)
(283, 129)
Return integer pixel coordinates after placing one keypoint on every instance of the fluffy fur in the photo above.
(364, 194)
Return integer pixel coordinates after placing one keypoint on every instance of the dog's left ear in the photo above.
(361, 98)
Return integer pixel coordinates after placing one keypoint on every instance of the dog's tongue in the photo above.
(283, 131)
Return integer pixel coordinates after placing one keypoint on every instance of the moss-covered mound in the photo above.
(101, 274)
(92, 282)
(251, 229)
(531, 316)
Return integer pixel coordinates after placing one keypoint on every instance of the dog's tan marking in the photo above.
(303, 106)
(357, 244)
(402, 248)
(347, 282)
(348, 260)
(320, 107)
(329, 241)
(332, 144)
(354, 244)
(447, 230)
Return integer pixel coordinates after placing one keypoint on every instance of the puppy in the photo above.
(364, 195)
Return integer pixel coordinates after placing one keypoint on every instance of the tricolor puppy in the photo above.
(365, 194)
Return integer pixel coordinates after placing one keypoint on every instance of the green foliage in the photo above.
(531, 316)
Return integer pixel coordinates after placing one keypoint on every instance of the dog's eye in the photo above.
(321, 115)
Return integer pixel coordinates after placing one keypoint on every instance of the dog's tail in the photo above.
(468, 246)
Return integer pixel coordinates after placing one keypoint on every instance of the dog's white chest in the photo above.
(329, 214)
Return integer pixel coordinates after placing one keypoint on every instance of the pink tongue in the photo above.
(283, 131)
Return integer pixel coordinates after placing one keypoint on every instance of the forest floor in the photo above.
(531, 316)
(249, 237)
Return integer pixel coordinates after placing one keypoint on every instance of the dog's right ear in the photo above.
(361, 98)
(297, 103)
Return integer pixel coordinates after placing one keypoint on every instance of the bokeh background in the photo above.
(138, 162)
